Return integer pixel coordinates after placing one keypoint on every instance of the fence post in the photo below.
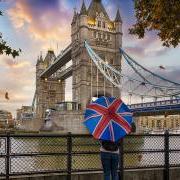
(166, 154)
(7, 155)
(121, 160)
(69, 155)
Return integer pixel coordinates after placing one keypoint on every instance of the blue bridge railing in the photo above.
(156, 106)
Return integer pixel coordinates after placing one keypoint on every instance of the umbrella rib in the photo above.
(107, 102)
(111, 131)
(98, 109)
(122, 122)
(121, 126)
(93, 116)
(112, 102)
(115, 105)
(125, 114)
(100, 126)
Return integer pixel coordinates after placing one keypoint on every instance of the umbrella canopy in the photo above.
(108, 118)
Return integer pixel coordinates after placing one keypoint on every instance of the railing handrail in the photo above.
(157, 103)
(69, 152)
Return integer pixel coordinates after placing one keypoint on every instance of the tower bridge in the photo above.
(105, 36)
(58, 63)
(96, 70)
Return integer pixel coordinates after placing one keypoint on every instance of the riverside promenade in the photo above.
(73, 157)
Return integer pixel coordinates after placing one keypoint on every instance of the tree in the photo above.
(162, 16)
(5, 49)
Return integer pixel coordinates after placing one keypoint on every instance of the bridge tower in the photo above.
(105, 37)
(48, 90)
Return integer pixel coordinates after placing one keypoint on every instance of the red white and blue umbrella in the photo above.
(108, 118)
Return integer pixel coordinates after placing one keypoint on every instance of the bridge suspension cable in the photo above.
(143, 84)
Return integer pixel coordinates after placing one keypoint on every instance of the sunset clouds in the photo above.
(45, 21)
(16, 78)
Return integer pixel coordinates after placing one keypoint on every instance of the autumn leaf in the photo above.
(160, 15)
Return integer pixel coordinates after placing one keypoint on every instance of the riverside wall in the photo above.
(149, 174)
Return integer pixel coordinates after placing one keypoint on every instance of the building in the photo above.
(48, 91)
(6, 120)
(25, 118)
(25, 113)
(158, 122)
(105, 37)
(157, 116)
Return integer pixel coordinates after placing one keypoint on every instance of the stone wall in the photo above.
(156, 174)
(70, 121)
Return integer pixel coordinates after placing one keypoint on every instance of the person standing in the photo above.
(109, 152)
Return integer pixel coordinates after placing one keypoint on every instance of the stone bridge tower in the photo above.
(49, 91)
(105, 37)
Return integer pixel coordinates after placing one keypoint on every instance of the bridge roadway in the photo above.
(60, 61)
(166, 107)
(66, 73)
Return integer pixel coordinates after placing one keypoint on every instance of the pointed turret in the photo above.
(74, 16)
(83, 9)
(39, 60)
(96, 6)
(118, 17)
(49, 59)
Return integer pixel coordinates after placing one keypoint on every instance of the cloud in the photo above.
(149, 46)
(46, 21)
(17, 78)
(11, 63)
(170, 72)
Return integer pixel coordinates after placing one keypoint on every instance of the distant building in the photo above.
(6, 120)
(158, 122)
(25, 113)
(157, 116)
(24, 118)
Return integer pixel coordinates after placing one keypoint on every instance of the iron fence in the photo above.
(46, 153)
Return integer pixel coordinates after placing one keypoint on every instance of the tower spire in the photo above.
(83, 9)
(74, 16)
(95, 7)
(118, 17)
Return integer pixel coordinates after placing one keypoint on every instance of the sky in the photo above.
(38, 25)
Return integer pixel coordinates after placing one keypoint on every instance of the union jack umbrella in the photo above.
(108, 118)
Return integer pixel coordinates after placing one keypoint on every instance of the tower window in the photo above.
(111, 61)
(99, 35)
(99, 23)
(108, 37)
(94, 34)
(177, 123)
(102, 56)
(104, 25)
(104, 36)
(172, 124)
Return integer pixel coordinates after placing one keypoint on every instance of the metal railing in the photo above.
(67, 154)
